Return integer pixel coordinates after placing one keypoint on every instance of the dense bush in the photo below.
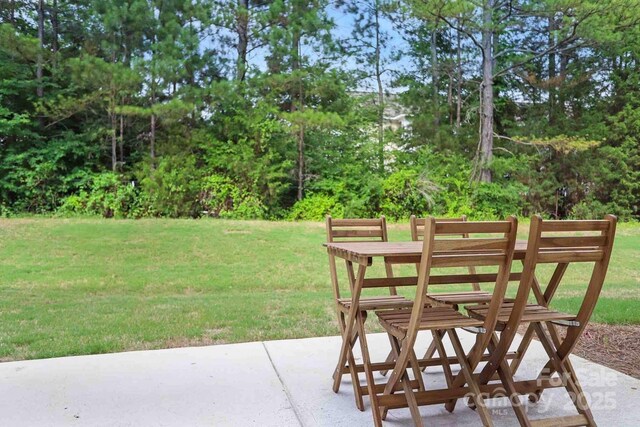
(497, 201)
(315, 208)
(107, 195)
(404, 193)
(221, 198)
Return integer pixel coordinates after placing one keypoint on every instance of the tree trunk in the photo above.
(152, 124)
(40, 59)
(380, 89)
(450, 98)
(435, 76)
(55, 27)
(114, 143)
(152, 140)
(297, 104)
(564, 64)
(40, 89)
(301, 162)
(552, 72)
(113, 122)
(12, 12)
(242, 29)
(121, 140)
(486, 120)
(458, 82)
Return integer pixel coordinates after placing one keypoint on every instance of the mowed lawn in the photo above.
(83, 286)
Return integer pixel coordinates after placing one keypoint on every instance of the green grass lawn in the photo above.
(82, 286)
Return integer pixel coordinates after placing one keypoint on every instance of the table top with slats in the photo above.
(393, 249)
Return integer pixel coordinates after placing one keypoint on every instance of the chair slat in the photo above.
(470, 244)
(572, 241)
(356, 222)
(465, 227)
(468, 260)
(568, 226)
(570, 256)
(357, 233)
(443, 279)
(417, 226)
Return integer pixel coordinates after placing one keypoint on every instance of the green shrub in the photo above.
(404, 193)
(221, 198)
(172, 189)
(594, 209)
(108, 195)
(315, 208)
(497, 201)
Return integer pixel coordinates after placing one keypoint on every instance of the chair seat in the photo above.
(397, 322)
(456, 298)
(376, 303)
(532, 313)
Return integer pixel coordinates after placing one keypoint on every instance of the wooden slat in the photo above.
(384, 282)
(461, 298)
(451, 279)
(434, 397)
(357, 233)
(572, 241)
(466, 260)
(395, 252)
(448, 279)
(570, 256)
(579, 225)
(566, 421)
(469, 244)
(423, 363)
(356, 222)
(466, 227)
(420, 222)
(532, 313)
(379, 388)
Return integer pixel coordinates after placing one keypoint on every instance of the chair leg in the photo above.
(411, 400)
(467, 371)
(431, 350)
(366, 361)
(390, 357)
(395, 349)
(446, 366)
(570, 381)
(506, 377)
(338, 372)
(417, 373)
(522, 349)
(355, 378)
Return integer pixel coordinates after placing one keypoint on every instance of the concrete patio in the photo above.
(275, 383)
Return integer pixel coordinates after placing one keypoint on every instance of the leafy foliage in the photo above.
(189, 109)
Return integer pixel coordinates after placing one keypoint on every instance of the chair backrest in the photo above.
(417, 233)
(549, 243)
(556, 246)
(483, 249)
(356, 230)
(417, 225)
(353, 230)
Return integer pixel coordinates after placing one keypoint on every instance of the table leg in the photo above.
(347, 333)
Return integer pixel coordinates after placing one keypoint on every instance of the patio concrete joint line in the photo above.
(284, 387)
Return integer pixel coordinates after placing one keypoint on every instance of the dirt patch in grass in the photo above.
(614, 346)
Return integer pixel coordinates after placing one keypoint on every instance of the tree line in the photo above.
(279, 108)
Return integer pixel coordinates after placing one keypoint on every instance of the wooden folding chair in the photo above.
(403, 325)
(454, 299)
(560, 249)
(358, 230)
(475, 294)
